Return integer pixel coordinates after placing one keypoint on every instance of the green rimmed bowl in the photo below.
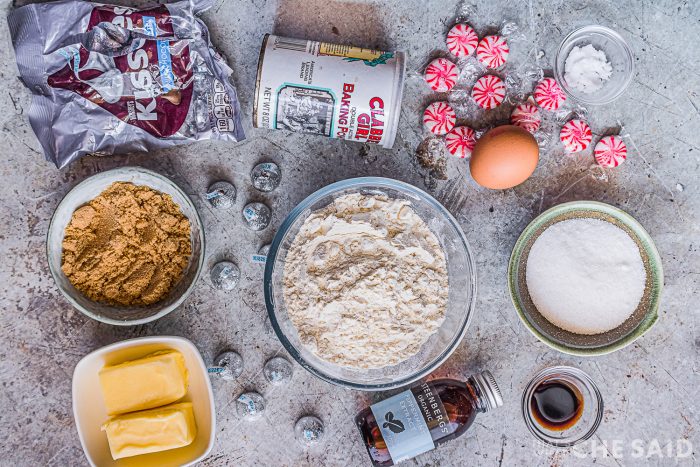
(568, 342)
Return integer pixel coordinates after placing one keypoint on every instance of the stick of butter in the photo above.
(154, 430)
(157, 379)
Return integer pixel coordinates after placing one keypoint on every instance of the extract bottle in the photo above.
(425, 416)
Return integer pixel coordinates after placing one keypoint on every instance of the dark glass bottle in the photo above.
(425, 416)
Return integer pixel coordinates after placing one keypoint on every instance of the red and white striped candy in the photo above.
(439, 118)
(461, 141)
(548, 94)
(462, 40)
(489, 91)
(610, 151)
(526, 116)
(575, 135)
(492, 51)
(441, 75)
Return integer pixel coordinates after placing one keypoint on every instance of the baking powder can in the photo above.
(333, 90)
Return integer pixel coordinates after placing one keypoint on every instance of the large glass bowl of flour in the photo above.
(461, 279)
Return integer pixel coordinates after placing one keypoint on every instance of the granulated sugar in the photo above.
(585, 275)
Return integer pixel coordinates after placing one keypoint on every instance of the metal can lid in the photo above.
(256, 93)
(397, 97)
(490, 396)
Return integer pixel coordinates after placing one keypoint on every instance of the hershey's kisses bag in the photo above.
(109, 79)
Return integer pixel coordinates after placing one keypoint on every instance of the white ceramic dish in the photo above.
(90, 413)
(82, 194)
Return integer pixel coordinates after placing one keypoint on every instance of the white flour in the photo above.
(585, 275)
(365, 282)
(587, 69)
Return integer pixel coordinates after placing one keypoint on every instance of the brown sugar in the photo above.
(127, 247)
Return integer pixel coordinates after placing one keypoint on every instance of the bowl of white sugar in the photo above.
(594, 65)
(586, 278)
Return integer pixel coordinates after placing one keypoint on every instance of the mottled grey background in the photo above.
(650, 388)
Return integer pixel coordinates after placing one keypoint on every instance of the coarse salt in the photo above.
(585, 275)
(587, 69)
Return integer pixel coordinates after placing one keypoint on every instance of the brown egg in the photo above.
(504, 157)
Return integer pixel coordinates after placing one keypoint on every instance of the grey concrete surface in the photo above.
(650, 388)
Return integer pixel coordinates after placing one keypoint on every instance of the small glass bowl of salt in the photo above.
(594, 65)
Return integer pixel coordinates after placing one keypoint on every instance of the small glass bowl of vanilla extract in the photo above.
(562, 406)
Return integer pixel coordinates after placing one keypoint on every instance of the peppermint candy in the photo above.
(462, 40)
(548, 94)
(492, 51)
(461, 141)
(441, 75)
(575, 135)
(439, 118)
(489, 91)
(610, 151)
(526, 116)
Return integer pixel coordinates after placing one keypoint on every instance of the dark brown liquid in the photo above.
(556, 405)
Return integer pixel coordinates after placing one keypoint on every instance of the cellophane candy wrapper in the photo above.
(110, 79)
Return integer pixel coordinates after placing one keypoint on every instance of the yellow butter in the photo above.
(154, 430)
(157, 379)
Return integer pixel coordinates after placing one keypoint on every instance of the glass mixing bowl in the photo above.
(461, 276)
(616, 50)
